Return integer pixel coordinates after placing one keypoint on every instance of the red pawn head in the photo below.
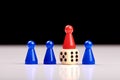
(68, 29)
(69, 42)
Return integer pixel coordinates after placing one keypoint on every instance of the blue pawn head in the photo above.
(88, 44)
(31, 44)
(49, 44)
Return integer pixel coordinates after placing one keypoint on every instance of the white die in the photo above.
(69, 56)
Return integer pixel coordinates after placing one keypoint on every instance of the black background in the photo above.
(21, 22)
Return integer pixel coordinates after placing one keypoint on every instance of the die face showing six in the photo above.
(69, 56)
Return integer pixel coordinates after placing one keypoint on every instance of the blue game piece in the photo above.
(88, 57)
(31, 57)
(49, 56)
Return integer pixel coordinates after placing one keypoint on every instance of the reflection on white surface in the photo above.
(87, 71)
(49, 72)
(31, 71)
(69, 72)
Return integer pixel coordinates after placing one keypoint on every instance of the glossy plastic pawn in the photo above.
(88, 57)
(31, 57)
(69, 42)
(49, 56)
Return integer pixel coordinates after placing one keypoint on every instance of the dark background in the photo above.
(21, 22)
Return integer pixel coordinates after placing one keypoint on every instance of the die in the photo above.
(69, 56)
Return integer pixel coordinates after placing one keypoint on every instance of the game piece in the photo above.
(69, 54)
(49, 56)
(31, 57)
(69, 42)
(88, 57)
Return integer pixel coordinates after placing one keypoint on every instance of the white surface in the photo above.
(12, 65)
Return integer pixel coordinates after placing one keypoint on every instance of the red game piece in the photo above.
(69, 42)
